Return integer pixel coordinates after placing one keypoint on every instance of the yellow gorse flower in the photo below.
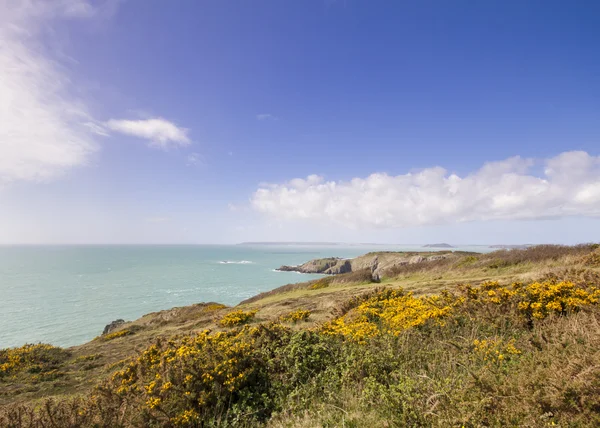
(494, 350)
(391, 312)
(238, 317)
(295, 316)
(538, 299)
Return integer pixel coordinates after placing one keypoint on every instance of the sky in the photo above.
(196, 122)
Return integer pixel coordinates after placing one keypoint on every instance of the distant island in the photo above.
(372, 244)
(442, 245)
(292, 243)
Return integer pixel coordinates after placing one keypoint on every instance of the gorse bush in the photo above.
(40, 359)
(491, 355)
(536, 300)
(295, 316)
(237, 318)
(389, 312)
(116, 334)
(321, 283)
(185, 381)
(211, 307)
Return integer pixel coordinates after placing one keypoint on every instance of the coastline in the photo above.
(66, 295)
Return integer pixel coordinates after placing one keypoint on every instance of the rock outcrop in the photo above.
(113, 326)
(343, 266)
(330, 266)
(378, 263)
(375, 270)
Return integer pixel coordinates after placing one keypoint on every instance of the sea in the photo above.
(65, 295)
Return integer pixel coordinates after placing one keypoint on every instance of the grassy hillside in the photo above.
(510, 338)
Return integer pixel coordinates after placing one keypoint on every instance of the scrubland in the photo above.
(510, 338)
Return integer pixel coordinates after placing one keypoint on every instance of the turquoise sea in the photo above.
(65, 295)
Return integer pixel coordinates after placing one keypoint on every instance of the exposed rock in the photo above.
(286, 268)
(374, 264)
(416, 259)
(113, 326)
(379, 263)
(315, 266)
(342, 266)
(375, 271)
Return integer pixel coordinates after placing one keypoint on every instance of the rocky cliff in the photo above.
(329, 265)
(377, 262)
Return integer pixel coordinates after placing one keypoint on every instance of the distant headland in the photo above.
(442, 245)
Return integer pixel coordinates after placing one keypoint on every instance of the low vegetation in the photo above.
(295, 316)
(116, 334)
(237, 318)
(490, 353)
(40, 360)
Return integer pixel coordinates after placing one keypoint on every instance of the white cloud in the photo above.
(42, 126)
(266, 116)
(160, 132)
(45, 130)
(570, 185)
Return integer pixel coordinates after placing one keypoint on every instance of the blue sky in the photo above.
(200, 121)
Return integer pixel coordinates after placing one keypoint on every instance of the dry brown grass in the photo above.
(359, 277)
(429, 266)
(535, 254)
(283, 289)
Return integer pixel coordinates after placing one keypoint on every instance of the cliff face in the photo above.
(377, 262)
(329, 266)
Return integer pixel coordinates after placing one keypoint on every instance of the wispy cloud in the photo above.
(45, 129)
(42, 124)
(160, 132)
(195, 159)
(266, 116)
(570, 185)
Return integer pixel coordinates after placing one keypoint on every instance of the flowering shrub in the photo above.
(321, 283)
(116, 334)
(213, 307)
(235, 318)
(40, 359)
(295, 316)
(184, 381)
(391, 312)
(494, 350)
(536, 300)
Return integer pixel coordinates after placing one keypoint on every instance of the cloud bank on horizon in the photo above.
(569, 185)
(45, 130)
